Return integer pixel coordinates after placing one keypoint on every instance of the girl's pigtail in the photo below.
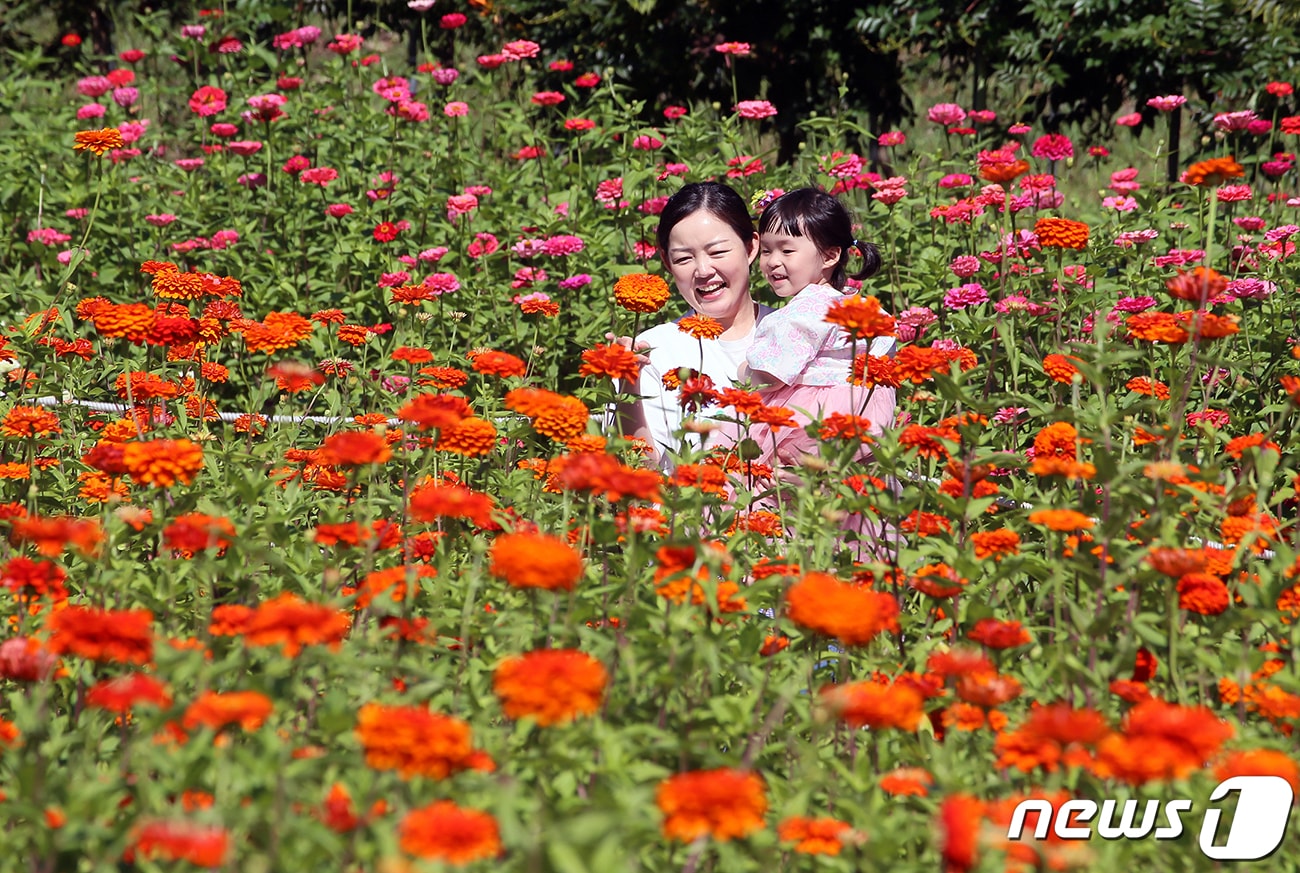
(871, 260)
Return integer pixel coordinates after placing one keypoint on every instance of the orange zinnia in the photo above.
(860, 317)
(98, 141)
(613, 360)
(106, 635)
(429, 411)
(997, 634)
(1061, 233)
(29, 421)
(701, 327)
(292, 623)
(552, 686)
(535, 560)
(814, 836)
(215, 710)
(446, 832)
(353, 449)
(1213, 172)
(1064, 520)
(877, 705)
(197, 844)
(641, 292)
(471, 437)
(995, 543)
(821, 603)
(1156, 327)
(723, 804)
(432, 501)
(416, 742)
(493, 363)
(125, 692)
(563, 420)
(1059, 368)
(1197, 286)
(163, 463)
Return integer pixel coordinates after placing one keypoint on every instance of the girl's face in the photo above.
(792, 263)
(710, 266)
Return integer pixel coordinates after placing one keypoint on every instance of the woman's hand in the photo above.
(640, 348)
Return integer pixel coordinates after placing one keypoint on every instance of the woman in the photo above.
(708, 242)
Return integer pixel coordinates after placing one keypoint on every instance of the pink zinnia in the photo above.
(889, 196)
(520, 49)
(1013, 303)
(982, 116)
(1234, 121)
(189, 165)
(755, 109)
(345, 43)
(265, 107)
(1019, 129)
(1135, 304)
(1121, 204)
(1167, 104)
(560, 246)
(548, 98)
(1053, 147)
(1123, 180)
(90, 110)
(160, 220)
(94, 86)
(1251, 223)
(245, 147)
(1251, 289)
(1282, 232)
(338, 210)
(970, 294)
(1133, 119)
(645, 143)
(965, 266)
(739, 49)
(207, 100)
(442, 283)
(1233, 193)
(574, 282)
(125, 97)
(460, 204)
(224, 130)
(455, 109)
(318, 176)
(446, 75)
(892, 138)
(946, 114)
(956, 180)
(393, 280)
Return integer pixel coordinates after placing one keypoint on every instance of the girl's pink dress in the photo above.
(806, 362)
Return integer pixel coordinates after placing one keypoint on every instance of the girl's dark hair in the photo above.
(713, 197)
(823, 219)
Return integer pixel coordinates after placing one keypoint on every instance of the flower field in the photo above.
(321, 551)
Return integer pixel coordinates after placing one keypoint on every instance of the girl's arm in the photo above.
(788, 340)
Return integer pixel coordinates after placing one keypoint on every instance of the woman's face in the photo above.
(710, 265)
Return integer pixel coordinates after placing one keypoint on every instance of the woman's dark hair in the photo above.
(823, 219)
(713, 197)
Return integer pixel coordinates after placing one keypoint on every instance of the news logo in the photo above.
(1257, 830)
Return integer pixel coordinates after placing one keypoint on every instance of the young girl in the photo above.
(799, 360)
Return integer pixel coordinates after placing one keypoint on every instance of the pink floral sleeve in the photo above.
(788, 340)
